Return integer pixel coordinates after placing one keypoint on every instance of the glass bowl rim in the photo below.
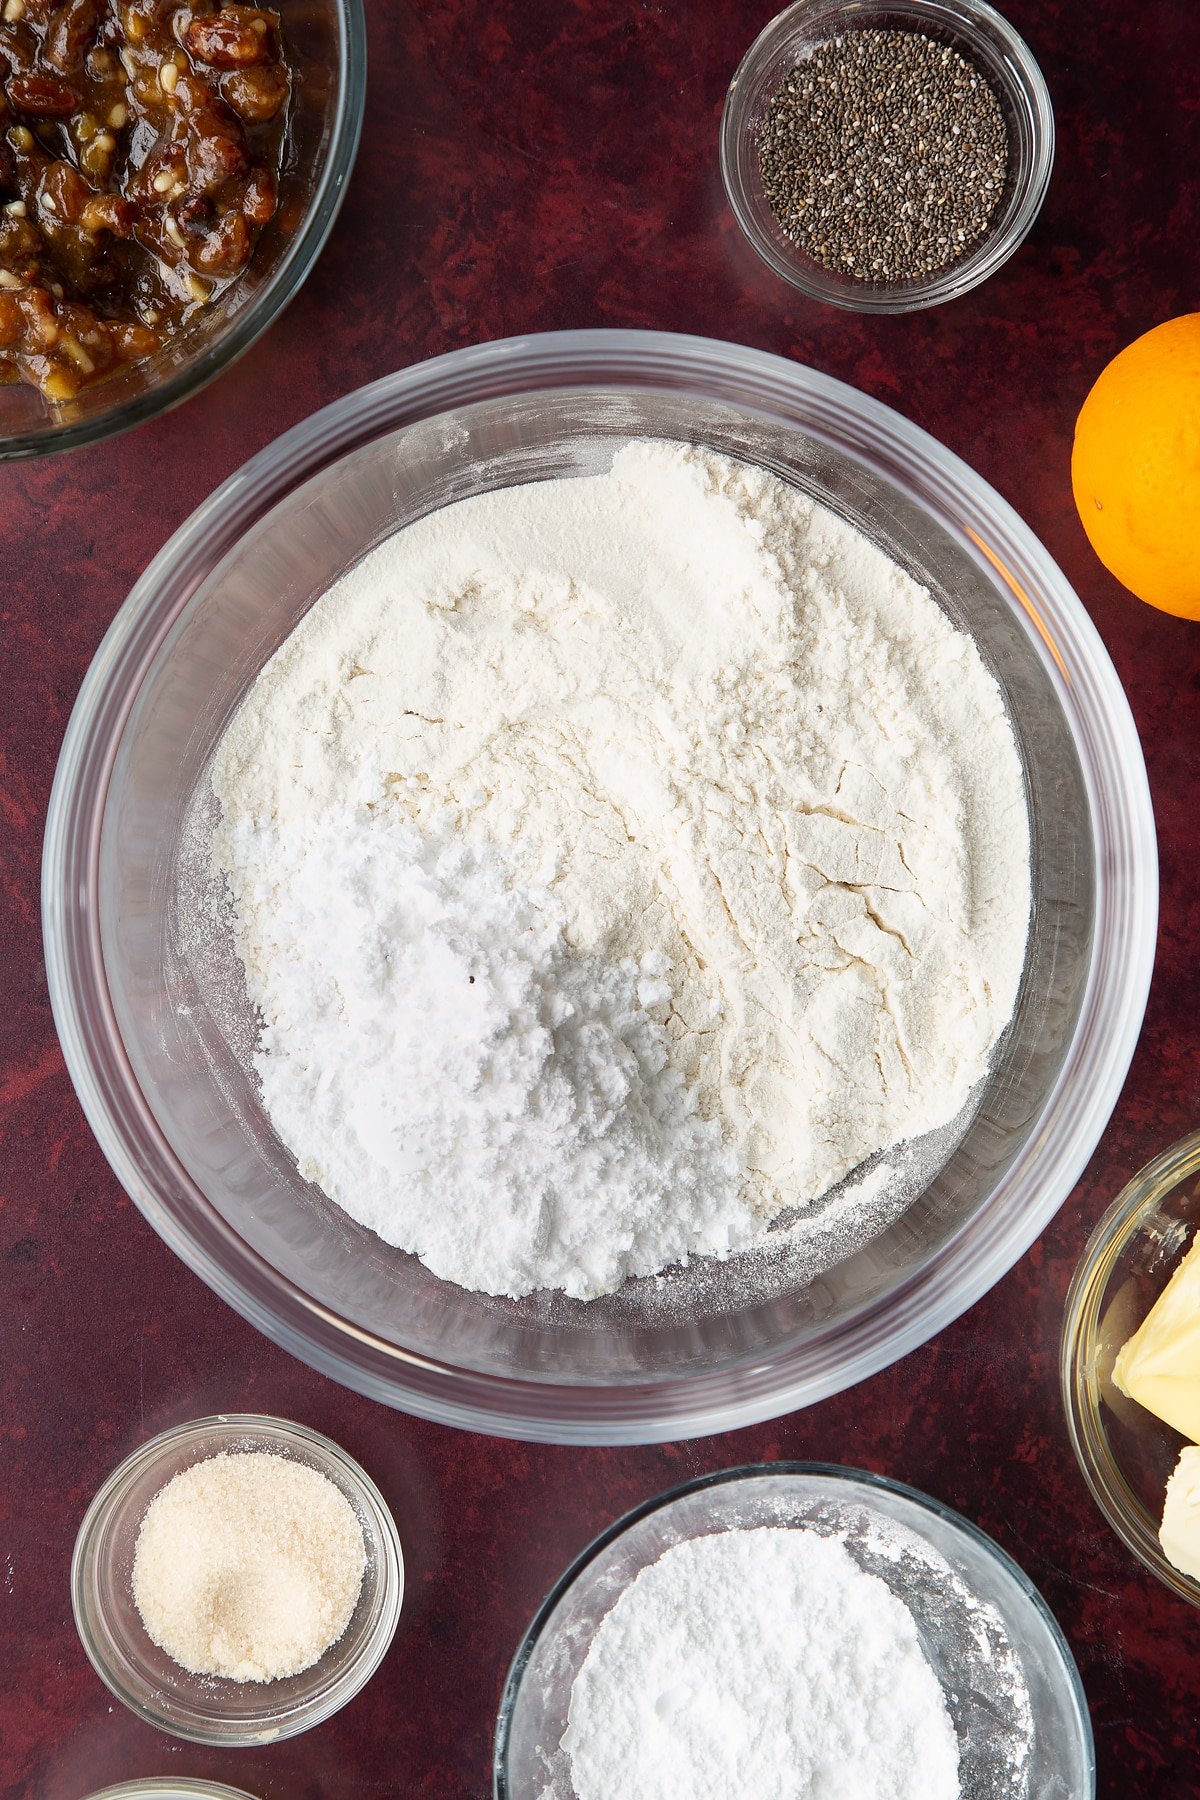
(181, 1787)
(389, 1580)
(993, 249)
(1112, 764)
(278, 289)
(837, 1474)
(1117, 1503)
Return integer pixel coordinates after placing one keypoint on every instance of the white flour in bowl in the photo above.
(616, 862)
(763, 1663)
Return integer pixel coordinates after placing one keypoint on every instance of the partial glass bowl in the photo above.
(1126, 1454)
(208, 1709)
(327, 45)
(981, 35)
(162, 1787)
(149, 997)
(1011, 1685)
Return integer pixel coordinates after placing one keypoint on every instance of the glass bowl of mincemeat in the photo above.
(160, 1038)
(168, 177)
(888, 155)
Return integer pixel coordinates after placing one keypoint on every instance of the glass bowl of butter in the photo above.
(1130, 1366)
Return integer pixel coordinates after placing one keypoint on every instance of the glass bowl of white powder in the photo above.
(794, 1628)
(449, 1063)
(214, 1709)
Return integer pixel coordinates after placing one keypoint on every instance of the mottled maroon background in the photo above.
(528, 164)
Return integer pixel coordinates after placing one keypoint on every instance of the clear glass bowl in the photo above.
(981, 35)
(327, 43)
(161, 1787)
(1126, 1454)
(153, 1017)
(1011, 1685)
(208, 1709)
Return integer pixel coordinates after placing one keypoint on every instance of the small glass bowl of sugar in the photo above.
(211, 1708)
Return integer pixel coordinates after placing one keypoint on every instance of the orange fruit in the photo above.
(1135, 466)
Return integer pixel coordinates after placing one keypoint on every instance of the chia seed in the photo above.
(884, 155)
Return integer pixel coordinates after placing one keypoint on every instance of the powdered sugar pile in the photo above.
(744, 892)
(764, 1663)
(453, 1046)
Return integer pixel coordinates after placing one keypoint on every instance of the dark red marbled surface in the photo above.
(528, 164)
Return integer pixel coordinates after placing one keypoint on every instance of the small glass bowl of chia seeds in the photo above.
(886, 155)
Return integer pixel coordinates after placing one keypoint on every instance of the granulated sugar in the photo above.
(248, 1565)
(616, 863)
(763, 1663)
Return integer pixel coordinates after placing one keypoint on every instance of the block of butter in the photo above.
(1160, 1365)
(1180, 1534)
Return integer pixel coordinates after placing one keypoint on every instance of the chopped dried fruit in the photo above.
(256, 95)
(43, 96)
(11, 322)
(139, 145)
(72, 31)
(232, 39)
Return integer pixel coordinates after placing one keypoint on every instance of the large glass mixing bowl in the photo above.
(154, 1021)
